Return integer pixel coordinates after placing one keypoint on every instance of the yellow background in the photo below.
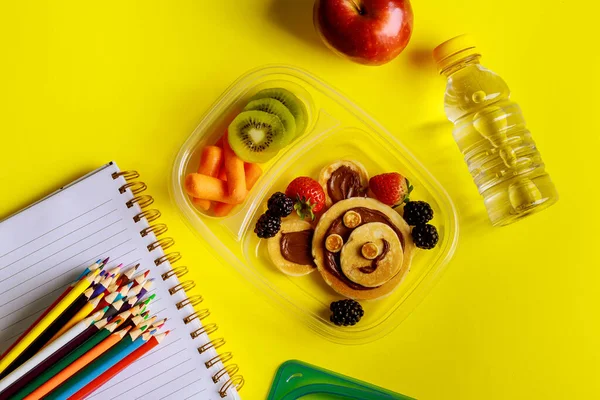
(515, 315)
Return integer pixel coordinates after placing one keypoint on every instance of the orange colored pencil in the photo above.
(73, 368)
(120, 366)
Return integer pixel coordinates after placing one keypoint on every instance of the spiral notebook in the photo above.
(106, 213)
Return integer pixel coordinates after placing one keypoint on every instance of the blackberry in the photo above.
(280, 205)
(346, 312)
(417, 213)
(267, 225)
(425, 236)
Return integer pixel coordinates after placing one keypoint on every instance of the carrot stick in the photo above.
(253, 172)
(202, 203)
(234, 168)
(222, 175)
(208, 188)
(210, 164)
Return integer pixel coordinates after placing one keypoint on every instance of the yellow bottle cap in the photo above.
(454, 50)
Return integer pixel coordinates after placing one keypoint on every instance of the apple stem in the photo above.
(358, 6)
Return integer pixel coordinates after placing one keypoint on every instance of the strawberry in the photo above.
(308, 196)
(391, 188)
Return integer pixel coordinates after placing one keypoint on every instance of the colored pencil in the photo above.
(158, 324)
(113, 287)
(114, 308)
(60, 354)
(45, 322)
(89, 269)
(135, 310)
(113, 272)
(62, 295)
(75, 366)
(80, 315)
(130, 302)
(131, 313)
(112, 293)
(107, 300)
(52, 329)
(141, 278)
(101, 273)
(123, 291)
(118, 367)
(146, 324)
(14, 381)
(126, 277)
(116, 271)
(123, 317)
(134, 321)
(145, 287)
(101, 286)
(69, 358)
(134, 291)
(134, 340)
(144, 303)
(36, 322)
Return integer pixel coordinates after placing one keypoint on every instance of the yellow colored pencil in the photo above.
(45, 322)
(81, 314)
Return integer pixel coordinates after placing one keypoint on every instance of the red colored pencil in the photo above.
(126, 276)
(140, 278)
(120, 366)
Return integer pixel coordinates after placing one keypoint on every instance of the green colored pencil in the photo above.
(93, 370)
(67, 360)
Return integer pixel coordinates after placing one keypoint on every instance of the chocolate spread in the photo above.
(332, 260)
(369, 269)
(343, 184)
(296, 247)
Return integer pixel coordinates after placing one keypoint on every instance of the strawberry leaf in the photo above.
(304, 208)
(409, 191)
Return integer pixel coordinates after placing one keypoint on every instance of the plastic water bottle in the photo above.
(490, 132)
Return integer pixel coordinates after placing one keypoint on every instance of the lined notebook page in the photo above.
(46, 246)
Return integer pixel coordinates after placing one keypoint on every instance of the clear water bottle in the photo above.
(490, 132)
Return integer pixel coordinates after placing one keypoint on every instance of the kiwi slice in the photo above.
(276, 108)
(256, 136)
(293, 103)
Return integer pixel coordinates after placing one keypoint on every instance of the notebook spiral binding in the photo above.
(144, 201)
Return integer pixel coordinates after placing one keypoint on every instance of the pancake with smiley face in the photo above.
(362, 248)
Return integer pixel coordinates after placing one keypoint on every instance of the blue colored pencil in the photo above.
(126, 346)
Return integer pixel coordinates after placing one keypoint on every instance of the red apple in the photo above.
(371, 32)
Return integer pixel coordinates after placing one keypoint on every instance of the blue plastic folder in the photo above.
(297, 380)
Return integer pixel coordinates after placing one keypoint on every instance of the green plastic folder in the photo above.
(297, 380)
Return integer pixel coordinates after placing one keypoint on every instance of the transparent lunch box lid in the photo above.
(337, 130)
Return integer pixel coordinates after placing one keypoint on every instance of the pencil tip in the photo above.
(96, 301)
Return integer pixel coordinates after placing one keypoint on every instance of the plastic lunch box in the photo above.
(337, 129)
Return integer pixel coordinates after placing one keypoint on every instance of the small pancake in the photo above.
(338, 283)
(355, 166)
(274, 247)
